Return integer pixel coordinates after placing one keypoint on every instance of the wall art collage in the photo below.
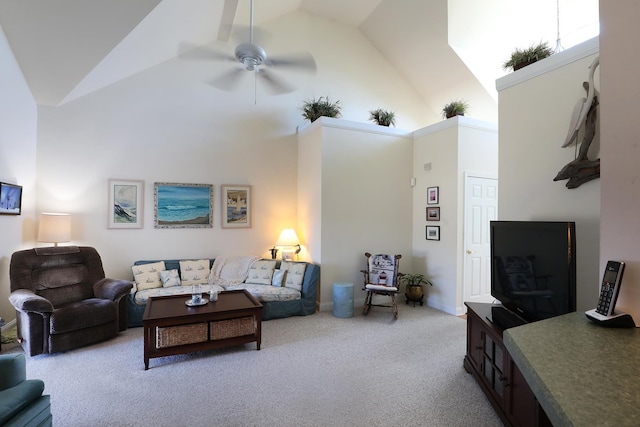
(178, 205)
(433, 213)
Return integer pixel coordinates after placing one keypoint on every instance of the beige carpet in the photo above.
(311, 371)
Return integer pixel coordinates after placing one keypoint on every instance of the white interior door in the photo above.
(480, 207)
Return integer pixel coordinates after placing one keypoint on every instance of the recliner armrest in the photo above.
(112, 289)
(25, 300)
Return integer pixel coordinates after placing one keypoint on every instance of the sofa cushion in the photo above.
(15, 399)
(170, 278)
(141, 297)
(261, 272)
(278, 277)
(147, 276)
(268, 293)
(193, 272)
(295, 274)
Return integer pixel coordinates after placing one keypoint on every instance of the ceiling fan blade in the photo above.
(193, 51)
(302, 62)
(229, 80)
(275, 85)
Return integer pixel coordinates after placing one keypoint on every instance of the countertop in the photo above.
(581, 373)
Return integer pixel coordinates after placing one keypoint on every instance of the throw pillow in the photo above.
(278, 277)
(170, 278)
(295, 274)
(147, 276)
(194, 272)
(261, 272)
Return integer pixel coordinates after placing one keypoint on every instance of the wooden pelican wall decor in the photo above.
(585, 114)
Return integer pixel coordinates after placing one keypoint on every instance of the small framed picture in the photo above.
(433, 213)
(10, 199)
(124, 208)
(236, 206)
(433, 232)
(433, 196)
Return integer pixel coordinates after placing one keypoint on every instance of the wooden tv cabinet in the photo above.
(489, 362)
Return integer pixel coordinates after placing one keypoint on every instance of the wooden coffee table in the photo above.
(171, 327)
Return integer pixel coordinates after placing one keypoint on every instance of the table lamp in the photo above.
(288, 243)
(54, 228)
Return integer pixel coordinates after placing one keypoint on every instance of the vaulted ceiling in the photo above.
(67, 48)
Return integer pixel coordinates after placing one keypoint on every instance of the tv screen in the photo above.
(533, 271)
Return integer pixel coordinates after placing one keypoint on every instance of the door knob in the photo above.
(469, 252)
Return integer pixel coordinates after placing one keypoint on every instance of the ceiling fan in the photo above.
(251, 57)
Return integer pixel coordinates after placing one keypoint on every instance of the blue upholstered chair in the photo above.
(21, 400)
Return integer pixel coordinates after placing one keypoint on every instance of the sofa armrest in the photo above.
(311, 281)
(112, 289)
(25, 300)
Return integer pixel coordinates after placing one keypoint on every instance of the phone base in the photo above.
(616, 320)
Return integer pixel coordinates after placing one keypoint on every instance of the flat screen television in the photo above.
(533, 272)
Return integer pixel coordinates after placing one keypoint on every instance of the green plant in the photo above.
(383, 117)
(414, 280)
(316, 108)
(523, 57)
(454, 108)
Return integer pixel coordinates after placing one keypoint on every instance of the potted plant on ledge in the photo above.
(454, 108)
(522, 57)
(383, 117)
(316, 108)
(413, 287)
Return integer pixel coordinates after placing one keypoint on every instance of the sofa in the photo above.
(21, 400)
(284, 288)
(63, 300)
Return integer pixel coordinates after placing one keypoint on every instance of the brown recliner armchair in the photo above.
(63, 300)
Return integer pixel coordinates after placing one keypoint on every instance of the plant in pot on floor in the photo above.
(455, 108)
(316, 108)
(413, 287)
(522, 57)
(383, 117)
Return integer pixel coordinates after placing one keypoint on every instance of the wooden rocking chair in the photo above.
(381, 278)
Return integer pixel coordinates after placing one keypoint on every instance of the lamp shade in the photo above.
(54, 228)
(288, 237)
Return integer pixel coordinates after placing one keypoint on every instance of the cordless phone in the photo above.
(604, 314)
(610, 287)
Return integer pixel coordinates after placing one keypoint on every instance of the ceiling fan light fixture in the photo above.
(249, 64)
(250, 55)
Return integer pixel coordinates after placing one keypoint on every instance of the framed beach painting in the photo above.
(236, 206)
(10, 199)
(182, 205)
(125, 204)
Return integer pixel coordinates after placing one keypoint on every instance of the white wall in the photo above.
(18, 116)
(534, 119)
(620, 105)
(451, 147)
(365, 174)
(167, 124)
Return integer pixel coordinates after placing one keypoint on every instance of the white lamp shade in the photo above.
(288, 237)
(54, 228)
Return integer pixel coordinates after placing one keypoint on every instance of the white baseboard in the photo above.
(9, 325)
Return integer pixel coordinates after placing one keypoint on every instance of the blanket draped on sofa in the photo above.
(231, 270)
